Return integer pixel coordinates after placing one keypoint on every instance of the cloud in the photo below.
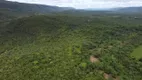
(86, 3)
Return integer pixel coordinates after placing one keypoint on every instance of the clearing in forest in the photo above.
(137, 53)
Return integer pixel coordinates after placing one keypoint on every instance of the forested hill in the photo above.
(68, 45)
(128, 10)
(65, 47)
(23, 8)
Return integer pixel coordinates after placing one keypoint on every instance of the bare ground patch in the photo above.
(94, 59)
(107, 76)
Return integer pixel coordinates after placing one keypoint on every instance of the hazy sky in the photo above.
(81, 4)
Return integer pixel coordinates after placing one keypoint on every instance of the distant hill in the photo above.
(15, 8)
(128, 10)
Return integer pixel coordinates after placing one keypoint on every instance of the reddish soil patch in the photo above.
(93, 59)
(116, 78)
(107, 76)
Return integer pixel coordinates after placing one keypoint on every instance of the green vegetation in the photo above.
(137, 53)
(58, 46)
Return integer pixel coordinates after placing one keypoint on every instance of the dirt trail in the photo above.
(93, 59)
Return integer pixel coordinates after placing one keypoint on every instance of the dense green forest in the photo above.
(59, 47)
(69, 45)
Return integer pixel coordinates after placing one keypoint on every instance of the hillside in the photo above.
(129, 10)
(67, 47)
(117, 10)
(40, 42)
(15, 8)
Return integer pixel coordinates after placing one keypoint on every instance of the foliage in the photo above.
(58, 47)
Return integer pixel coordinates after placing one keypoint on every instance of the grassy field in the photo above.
(137, 53)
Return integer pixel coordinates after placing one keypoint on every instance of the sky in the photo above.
(82, 4)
